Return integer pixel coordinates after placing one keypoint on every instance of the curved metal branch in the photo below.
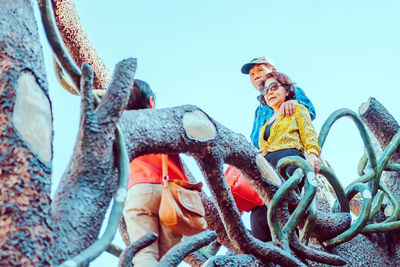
(62, 79)
(361, 220)
(337, 187)
(364, 136)
(56, 44)
(313, 254)
(310, 223)
(127, 255)
(286, 236)
(273, 221)
(376, 204)
(395, 203)
(178, 252)
(392, 167)
(386, 224)
(362, 164)
(369, 174)
(310, 190)
(387, 153)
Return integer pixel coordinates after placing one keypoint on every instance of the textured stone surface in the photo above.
(87, 186)
(25, 215)
(77, 42)
(32, 116)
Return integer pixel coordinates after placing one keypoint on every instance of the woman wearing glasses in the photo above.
(283, 136)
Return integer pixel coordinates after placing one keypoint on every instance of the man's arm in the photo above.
(262, 114)
(288, 107)
(255, 131)
(303, 99)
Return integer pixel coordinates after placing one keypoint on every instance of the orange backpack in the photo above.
(244, 195)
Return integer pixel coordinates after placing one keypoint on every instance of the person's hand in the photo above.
(287, 108)
(314, 161)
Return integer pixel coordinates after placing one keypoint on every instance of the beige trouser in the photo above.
(141, 216)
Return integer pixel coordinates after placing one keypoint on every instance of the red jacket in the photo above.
(148, 169)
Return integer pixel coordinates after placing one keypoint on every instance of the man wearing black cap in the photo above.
(257, 69)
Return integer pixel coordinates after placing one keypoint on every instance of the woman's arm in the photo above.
(308, 137)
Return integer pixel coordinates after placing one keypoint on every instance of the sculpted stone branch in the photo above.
(85, 190)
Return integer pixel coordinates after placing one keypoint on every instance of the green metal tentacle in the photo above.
(387, 224)
(62, 79)
(387, 153)
(337, 187)
(300, 211)
(395, 203)
(363, 179)
(392, 167)
(56, 44)
(376, 204)
(286, 187)
(363, 133)
(310, 223)
(362, 219)
(362, 164)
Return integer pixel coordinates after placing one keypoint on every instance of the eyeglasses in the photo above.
(271, 88)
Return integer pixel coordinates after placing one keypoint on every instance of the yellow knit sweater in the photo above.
(294, 131)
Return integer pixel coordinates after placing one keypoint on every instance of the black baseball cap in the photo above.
(259, 60)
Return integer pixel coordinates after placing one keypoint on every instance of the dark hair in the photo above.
(140, 95)
(284, 81)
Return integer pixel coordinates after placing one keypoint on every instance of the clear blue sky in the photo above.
(340, 52)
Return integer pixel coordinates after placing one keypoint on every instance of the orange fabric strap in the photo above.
(164, 160)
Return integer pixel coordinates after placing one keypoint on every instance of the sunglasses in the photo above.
(271, 88)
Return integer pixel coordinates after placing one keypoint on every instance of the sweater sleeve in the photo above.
(307, 132)
(303, 99)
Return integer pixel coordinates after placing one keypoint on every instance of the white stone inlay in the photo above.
(120, 195)
(198, 126)
(366, 194)
(312, 179)
(388, 210)
(267, 171)
(32, 116)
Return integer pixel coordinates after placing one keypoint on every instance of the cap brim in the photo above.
(246, 67)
